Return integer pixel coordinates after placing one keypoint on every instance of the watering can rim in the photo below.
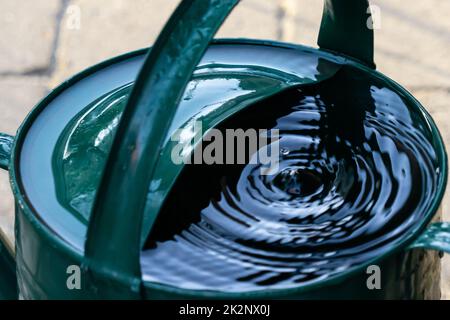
(264, 44)
(402, 244)
(22, 131)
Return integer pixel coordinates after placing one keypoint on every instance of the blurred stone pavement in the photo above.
(42, 42)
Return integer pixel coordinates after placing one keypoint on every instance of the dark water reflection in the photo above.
(356, 172)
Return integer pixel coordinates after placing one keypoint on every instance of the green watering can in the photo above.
(90, 166)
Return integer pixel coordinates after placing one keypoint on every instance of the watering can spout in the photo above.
(346, 29)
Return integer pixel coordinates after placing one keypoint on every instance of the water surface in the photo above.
(357, 170)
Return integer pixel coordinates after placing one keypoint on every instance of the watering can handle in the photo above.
(115, 224)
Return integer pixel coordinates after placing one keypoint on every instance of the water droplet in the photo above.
(284, 151)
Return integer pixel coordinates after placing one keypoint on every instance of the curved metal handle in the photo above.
(435, 237)
(113, 237)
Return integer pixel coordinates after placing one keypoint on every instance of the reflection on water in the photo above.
(356, 172)
(86, 143)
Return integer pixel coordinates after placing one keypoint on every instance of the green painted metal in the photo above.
(43, 255)
(338, 21)
(77, 173)
(436, 237)
(411, 274)
(137, 147)
(49, 249)
(345, 29)
(8, 280)
(133, 160)
(6, 142)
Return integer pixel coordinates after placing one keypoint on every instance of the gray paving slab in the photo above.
(110, 27)
(27, 35)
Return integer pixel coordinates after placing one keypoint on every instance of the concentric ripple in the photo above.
(357, 170)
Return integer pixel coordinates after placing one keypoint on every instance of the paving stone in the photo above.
(27, 34)
(111, 27)
(92, 31)
(300, 21)
(413, 42)
(445, 277)
(252, 19)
